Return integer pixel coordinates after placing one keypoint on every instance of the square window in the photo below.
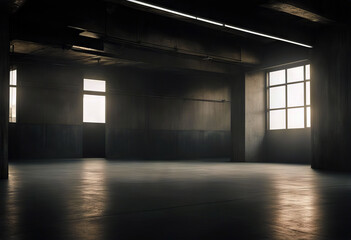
(277, 119)
(94, 85)
(289, 98)
(296, 95)
(295, 74)
(93, 108)
(296, 118)
(276, 77)
(277, 97)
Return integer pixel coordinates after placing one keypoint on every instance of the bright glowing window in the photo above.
(94, 101)
(93, 108)
(289, 98)
(296, 95)
(277, 97)
(13, 97)
(277, 77)
(308, 117)
(296, 118)
(277, 119)
(94, 85)
(295, 74)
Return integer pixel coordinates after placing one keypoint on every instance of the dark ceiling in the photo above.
(337, 10)
(63, 24)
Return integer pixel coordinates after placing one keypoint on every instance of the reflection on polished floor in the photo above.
(101, 199)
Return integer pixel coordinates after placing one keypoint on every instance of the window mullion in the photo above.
(12, 117)
(268, 104)
(286, 99)
(305, 96)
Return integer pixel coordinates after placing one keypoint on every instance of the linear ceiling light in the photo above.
(267, 36)
(162, 9)
(209, 21)
(217, 23)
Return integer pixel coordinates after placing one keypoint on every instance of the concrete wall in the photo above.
(255, 118)
(289, 146)
(4, 87)
(49, 113)
(168, 115)
(331, 98)
(151, 114)
(261, 145)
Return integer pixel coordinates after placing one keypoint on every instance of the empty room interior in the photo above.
(164, 119)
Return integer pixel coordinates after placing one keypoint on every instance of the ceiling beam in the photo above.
(297, 11)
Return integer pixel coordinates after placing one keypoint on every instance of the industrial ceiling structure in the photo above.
(248, 33)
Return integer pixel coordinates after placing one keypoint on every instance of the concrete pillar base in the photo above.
(4, 88)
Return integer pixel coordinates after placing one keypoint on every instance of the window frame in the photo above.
(15, 87)
(94, 93)
(286, 84)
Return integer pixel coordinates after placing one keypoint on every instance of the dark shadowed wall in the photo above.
(4, 88)
(150, 113)
(331, 96)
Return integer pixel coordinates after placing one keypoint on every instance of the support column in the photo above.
(4, 88)
(238, 118)
(331, 100)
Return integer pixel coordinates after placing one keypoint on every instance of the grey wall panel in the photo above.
(191, 144)
(40, 105)
(170, 83)
(162, 144)
(46, 141)
(31, 141)
(63, 140)
(217, 144)
(127, 80)
(50, 76)
(13, 142)
(49, 95)
(164, 114)
(49, 112)
(168, 114)
(125, 112)
(216, 116)
(167, 144)
(94, 140)
(202, 115)
(125, 143)
(290, 146)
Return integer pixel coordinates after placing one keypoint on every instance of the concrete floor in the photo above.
(100, 199)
